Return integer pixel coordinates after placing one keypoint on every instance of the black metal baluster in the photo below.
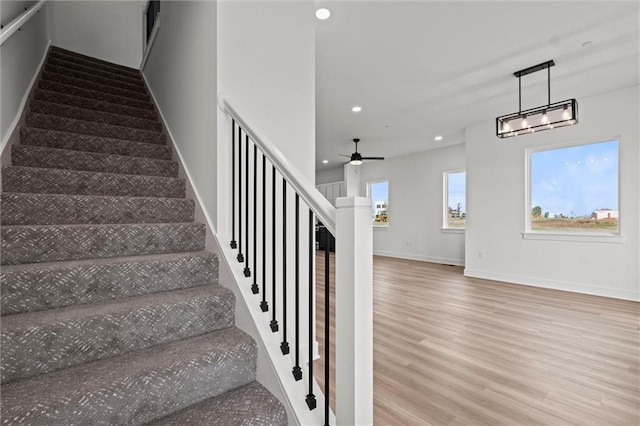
(240, 256)
(233, 184)
(311, 398)
(327, 320)
(264, 305)
(284, 345)
(247, 271)
(254, 286)
(297, 371)
(274, 322)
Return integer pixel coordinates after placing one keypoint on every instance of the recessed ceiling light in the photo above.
(323, 14)
(325, 161)
(356, 108)
(438, 138)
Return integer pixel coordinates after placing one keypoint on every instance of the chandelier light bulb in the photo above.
(525, 123)
(545, 119)
(565, 114)
(505, 126)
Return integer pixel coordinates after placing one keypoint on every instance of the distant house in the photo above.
(605, 214)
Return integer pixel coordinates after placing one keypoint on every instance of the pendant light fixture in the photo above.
(545, 117)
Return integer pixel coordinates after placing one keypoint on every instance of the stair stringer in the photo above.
(273, 370)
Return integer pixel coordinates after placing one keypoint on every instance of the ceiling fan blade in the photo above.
(344, 155)
(373, 158)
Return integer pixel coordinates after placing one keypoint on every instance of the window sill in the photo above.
(381, 228)
(582, 238)
(453, 230)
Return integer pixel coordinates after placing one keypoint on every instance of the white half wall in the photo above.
(496, 184)
(108, 30)
(20, 59)
(415, 206)
(181, 72)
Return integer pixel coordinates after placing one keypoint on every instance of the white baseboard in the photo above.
(555, 284)
(408, 256)
(25, 99)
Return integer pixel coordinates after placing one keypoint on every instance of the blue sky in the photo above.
(457, 192)
(576, 180)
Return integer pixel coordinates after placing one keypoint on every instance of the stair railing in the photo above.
(15, 25)
(262, 184)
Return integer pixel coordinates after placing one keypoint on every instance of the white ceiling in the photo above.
(428, 68)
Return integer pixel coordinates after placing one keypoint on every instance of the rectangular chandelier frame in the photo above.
(545, 117)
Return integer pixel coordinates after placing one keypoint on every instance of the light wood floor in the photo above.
(451, 350)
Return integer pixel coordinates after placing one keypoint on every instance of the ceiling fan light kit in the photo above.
(545, 117)
(356, 158)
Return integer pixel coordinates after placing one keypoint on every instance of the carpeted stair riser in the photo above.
(53, 243)
(110, 68)
(66, 209)
(72, 141)
(56, 181)
(250, 405)
(38, 156)
(90, 59)
(70, 125)
(62, 65)
(41, 342)
(136, 87)
(92, 85)
(137, 387)
(69, 111)
(93, 104)
(28, 288)
(93, 94)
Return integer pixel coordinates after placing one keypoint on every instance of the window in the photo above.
(379, 194)
(455, 199)
(574, 189)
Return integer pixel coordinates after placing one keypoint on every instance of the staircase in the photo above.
(111, 308)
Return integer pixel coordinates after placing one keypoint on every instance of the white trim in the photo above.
(19, 21)
(581, 238)
(555, 284)
(421, 258)
(25, 99)
(149, 45)
(321, 207)
(453, 230)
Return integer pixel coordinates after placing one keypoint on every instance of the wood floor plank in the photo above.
(452, 350)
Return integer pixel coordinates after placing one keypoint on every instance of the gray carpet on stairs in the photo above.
(111, 308)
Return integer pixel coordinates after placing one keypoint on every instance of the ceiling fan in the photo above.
(356, 157)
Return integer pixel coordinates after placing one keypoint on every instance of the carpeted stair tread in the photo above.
(249, 405)
(93, 69)
(93, 94)
(41, 286)
(132, 74)
(55, 50)
(72, 125)
(84, 114)
(52, 243)
(68, 209)
(97, 78)
(57, 181)
(136, 387)
(72, 141)
(94, 104)
(93, 85)
(37, 343)
(54, 158)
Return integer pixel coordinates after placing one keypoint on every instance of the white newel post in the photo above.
(354, 312)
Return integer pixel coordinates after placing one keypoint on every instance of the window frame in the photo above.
(369, 183)
(578, 236)
(445, 201)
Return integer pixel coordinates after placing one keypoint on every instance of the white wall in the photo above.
(267, 69)
(415, 206)
(108, 30)
(496, 181)
(329, 176)
(181, 73)
(20, 58)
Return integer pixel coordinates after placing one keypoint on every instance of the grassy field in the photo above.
(574, 225)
